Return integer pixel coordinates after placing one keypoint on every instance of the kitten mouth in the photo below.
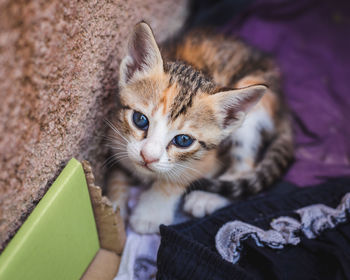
(144, 166)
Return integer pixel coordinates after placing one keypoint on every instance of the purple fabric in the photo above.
(311, 42)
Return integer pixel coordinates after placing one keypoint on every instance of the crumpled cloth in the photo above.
(314, 219)
(310, 42)
(139, 257)
(188, 250)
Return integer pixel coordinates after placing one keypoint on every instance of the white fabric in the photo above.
(140, 252)
(139, 257)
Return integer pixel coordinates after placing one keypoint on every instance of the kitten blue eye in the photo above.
(140, 120)
(182, 140)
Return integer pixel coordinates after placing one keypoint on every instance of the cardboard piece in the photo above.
(110, 225)
(111, 232)
(104, 266)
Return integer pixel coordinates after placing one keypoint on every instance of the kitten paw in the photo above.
(146, 222)
(201, 203)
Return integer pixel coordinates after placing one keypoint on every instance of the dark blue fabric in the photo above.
(187, 251)
(214, 12)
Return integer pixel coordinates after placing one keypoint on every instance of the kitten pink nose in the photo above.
(147, 158)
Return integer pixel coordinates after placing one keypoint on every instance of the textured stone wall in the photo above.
(58, 73)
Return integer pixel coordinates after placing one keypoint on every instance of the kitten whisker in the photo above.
(112, 137)
(190, 168)
(115, 161)
(112, 126)
(177, 177)
(120, 155)
(115, 147)
(115, 141)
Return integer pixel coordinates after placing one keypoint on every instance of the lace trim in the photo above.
(284, 230)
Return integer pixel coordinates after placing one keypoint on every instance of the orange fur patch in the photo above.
(249, 81)
(268, 101)
(168, 96)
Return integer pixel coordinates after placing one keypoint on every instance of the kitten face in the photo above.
(162, 143)
(172, 118)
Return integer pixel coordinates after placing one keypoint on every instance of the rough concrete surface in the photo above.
(59, 64)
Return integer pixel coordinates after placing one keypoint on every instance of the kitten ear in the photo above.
(143, 54)
(233, 105)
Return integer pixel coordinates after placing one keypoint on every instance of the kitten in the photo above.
(205, 112)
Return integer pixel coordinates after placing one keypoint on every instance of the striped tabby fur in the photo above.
(233, 64)
(221, 92)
